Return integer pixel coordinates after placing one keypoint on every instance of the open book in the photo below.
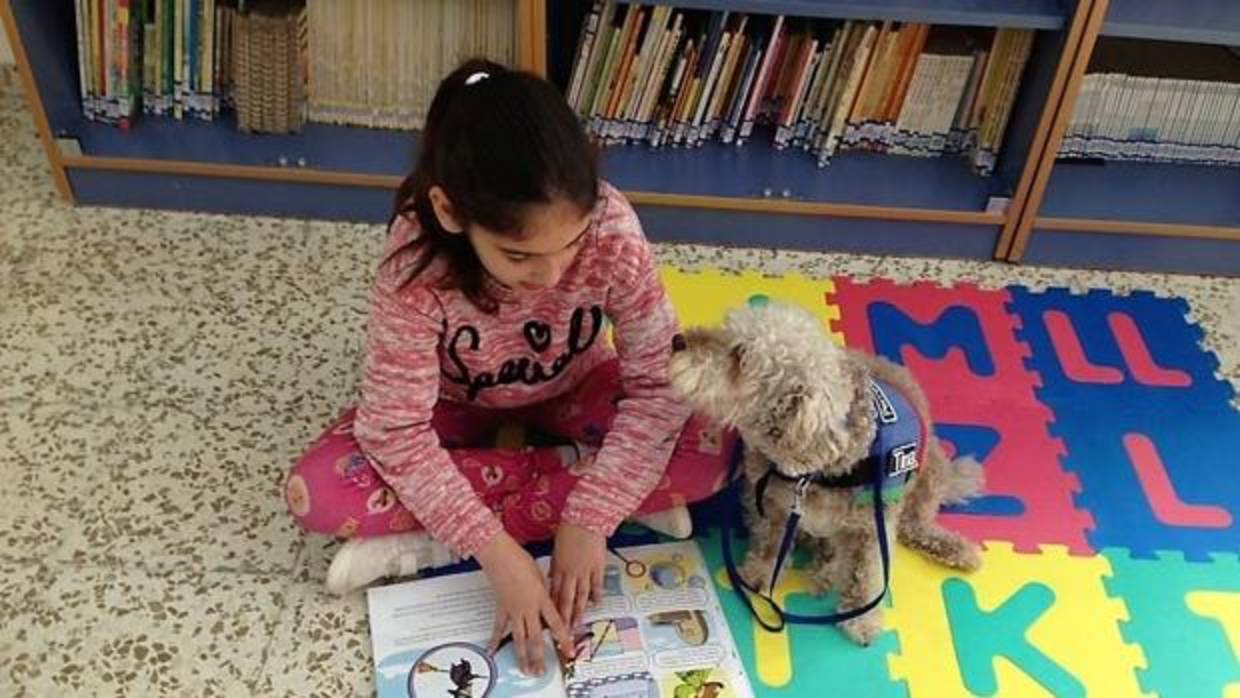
(659, 633)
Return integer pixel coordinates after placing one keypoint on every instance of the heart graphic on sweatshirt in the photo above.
(538, 335)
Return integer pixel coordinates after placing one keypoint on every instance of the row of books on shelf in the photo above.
(664, 76)
(1125, 112)
(377, 63)
(658, 75)
(166, 57)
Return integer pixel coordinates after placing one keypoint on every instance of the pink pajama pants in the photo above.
(333, 488)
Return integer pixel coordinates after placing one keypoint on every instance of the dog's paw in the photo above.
(756, 573)
(819, 582)
(818, 586)
(864, 629)
(822, 550)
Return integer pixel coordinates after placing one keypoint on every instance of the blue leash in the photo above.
(787, 543)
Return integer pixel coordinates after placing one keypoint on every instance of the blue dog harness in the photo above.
(894, 456)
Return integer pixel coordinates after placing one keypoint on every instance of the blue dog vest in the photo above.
(899, 441)
(897, 450)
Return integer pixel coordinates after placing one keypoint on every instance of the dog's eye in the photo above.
(738, 354)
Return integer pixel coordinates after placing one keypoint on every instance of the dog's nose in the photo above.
(679, 344)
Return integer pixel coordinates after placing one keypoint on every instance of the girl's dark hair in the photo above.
(495, 145)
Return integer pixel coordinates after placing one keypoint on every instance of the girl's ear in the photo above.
(445, 212)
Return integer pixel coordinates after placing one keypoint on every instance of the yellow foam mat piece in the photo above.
(701, 298)
(1078, 633)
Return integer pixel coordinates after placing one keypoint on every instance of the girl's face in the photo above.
(551, 235)
(537, 259)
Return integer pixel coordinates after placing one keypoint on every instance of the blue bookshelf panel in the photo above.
(1133, 252)
(48, 31)
(232, 196)
(1029, 14)
(817, 233)
(322, 146)
(662, 223)
(1196, 21)
(748, 171)
(712, 170)
(1151, 192)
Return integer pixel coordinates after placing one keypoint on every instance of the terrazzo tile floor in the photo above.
(158, 374)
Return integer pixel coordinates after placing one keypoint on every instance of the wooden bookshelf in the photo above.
(1136, 215)
(752, 196)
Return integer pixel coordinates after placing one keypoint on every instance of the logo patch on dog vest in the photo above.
(903, 459)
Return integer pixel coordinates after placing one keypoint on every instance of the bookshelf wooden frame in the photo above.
(532, 35)
(1023, 222)
(806, 208)
(1033, 183)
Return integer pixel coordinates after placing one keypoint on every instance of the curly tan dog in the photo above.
(806, 407)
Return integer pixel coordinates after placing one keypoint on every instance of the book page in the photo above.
(429, 638)
(658, 632)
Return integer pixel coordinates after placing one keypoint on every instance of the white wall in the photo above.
(6, 54)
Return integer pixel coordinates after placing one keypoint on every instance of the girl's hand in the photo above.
(522, 604)
(577, 570)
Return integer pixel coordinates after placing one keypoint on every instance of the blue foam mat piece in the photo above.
(1194, 429)
(1199, 455)
(1173, 343)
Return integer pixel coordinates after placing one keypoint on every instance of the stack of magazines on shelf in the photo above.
(1158, 102)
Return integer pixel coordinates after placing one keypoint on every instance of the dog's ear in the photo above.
(706, 373)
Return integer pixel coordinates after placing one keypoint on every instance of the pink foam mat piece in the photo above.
(1025, 464)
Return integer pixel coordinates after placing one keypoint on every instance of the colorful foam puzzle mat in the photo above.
(1109, 519)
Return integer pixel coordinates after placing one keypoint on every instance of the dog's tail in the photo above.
(963, 480)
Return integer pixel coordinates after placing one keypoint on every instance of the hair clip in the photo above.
(476, 78)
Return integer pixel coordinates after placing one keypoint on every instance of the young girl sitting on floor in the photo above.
(506, 260)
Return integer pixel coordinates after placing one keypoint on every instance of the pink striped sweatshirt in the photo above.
(426, 344)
